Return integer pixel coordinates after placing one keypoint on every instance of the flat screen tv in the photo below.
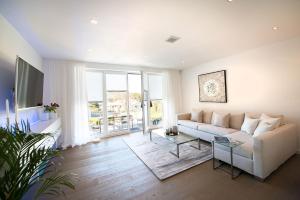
(29, 85)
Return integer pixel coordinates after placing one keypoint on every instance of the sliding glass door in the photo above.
(155, 85)
(95, 102)
(135, 102)
(124, 102)
(117, 102)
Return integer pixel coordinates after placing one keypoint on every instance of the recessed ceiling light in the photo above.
(94, 21)
(229, 0)
(275, 28)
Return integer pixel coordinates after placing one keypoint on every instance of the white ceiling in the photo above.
(134, 31)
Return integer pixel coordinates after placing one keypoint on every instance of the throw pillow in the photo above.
(265, 117)
(266, 124)
(236, 121)
(196, 116)
(249, 125)
(207, 115)
(221, 120)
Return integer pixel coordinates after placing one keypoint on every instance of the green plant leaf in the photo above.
(23, 161)
(54, 185)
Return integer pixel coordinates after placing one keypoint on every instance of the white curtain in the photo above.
(172, 97)
(65, 83)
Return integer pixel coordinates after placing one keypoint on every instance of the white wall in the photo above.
(11, 45)
(265, 79)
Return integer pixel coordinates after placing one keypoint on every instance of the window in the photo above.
(95, 101)
(115, 101)
(155, 85)
(116, 82)
(135, 102)
(117, 109)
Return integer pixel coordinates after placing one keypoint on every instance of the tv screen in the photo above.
(29, 82)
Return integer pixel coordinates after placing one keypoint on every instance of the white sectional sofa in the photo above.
(258, 155)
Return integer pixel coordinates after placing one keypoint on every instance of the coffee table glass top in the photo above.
(232, 143)
(178, 139)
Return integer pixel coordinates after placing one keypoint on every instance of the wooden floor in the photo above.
(110, 170)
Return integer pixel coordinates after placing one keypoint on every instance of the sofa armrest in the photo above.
(273, 148)
(183, 116)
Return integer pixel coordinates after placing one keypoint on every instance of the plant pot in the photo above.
(53, 115)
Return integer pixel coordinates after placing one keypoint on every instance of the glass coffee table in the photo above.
(231, 145)
(178, 140)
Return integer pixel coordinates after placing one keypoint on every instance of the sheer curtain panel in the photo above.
(65, 84)
(172, 96)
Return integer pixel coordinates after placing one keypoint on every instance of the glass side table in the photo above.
(231, 145)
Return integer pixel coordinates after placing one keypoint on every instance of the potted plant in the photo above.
(25, 163)
(51, 109)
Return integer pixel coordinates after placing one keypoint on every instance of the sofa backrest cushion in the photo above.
(252, 115)
(236, 121)
(258, 115)
(196, 115)
(184, 116)
(277, 119)
(221, 120)
(277, 116)
(207, 115)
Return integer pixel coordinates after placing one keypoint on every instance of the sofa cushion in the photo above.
(207, 115)
(184, 116)
(253, 115)
(220, 119)
(196, 116)
(258, 115)
(277, 120)
(236, 121)
(245, 150)
(188, 123)
(266, 124)
(215, 129)
(277, 116)
(249, 125)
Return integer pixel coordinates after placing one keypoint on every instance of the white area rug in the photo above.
(160, 161)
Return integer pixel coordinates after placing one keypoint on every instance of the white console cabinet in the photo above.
(52, 126)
